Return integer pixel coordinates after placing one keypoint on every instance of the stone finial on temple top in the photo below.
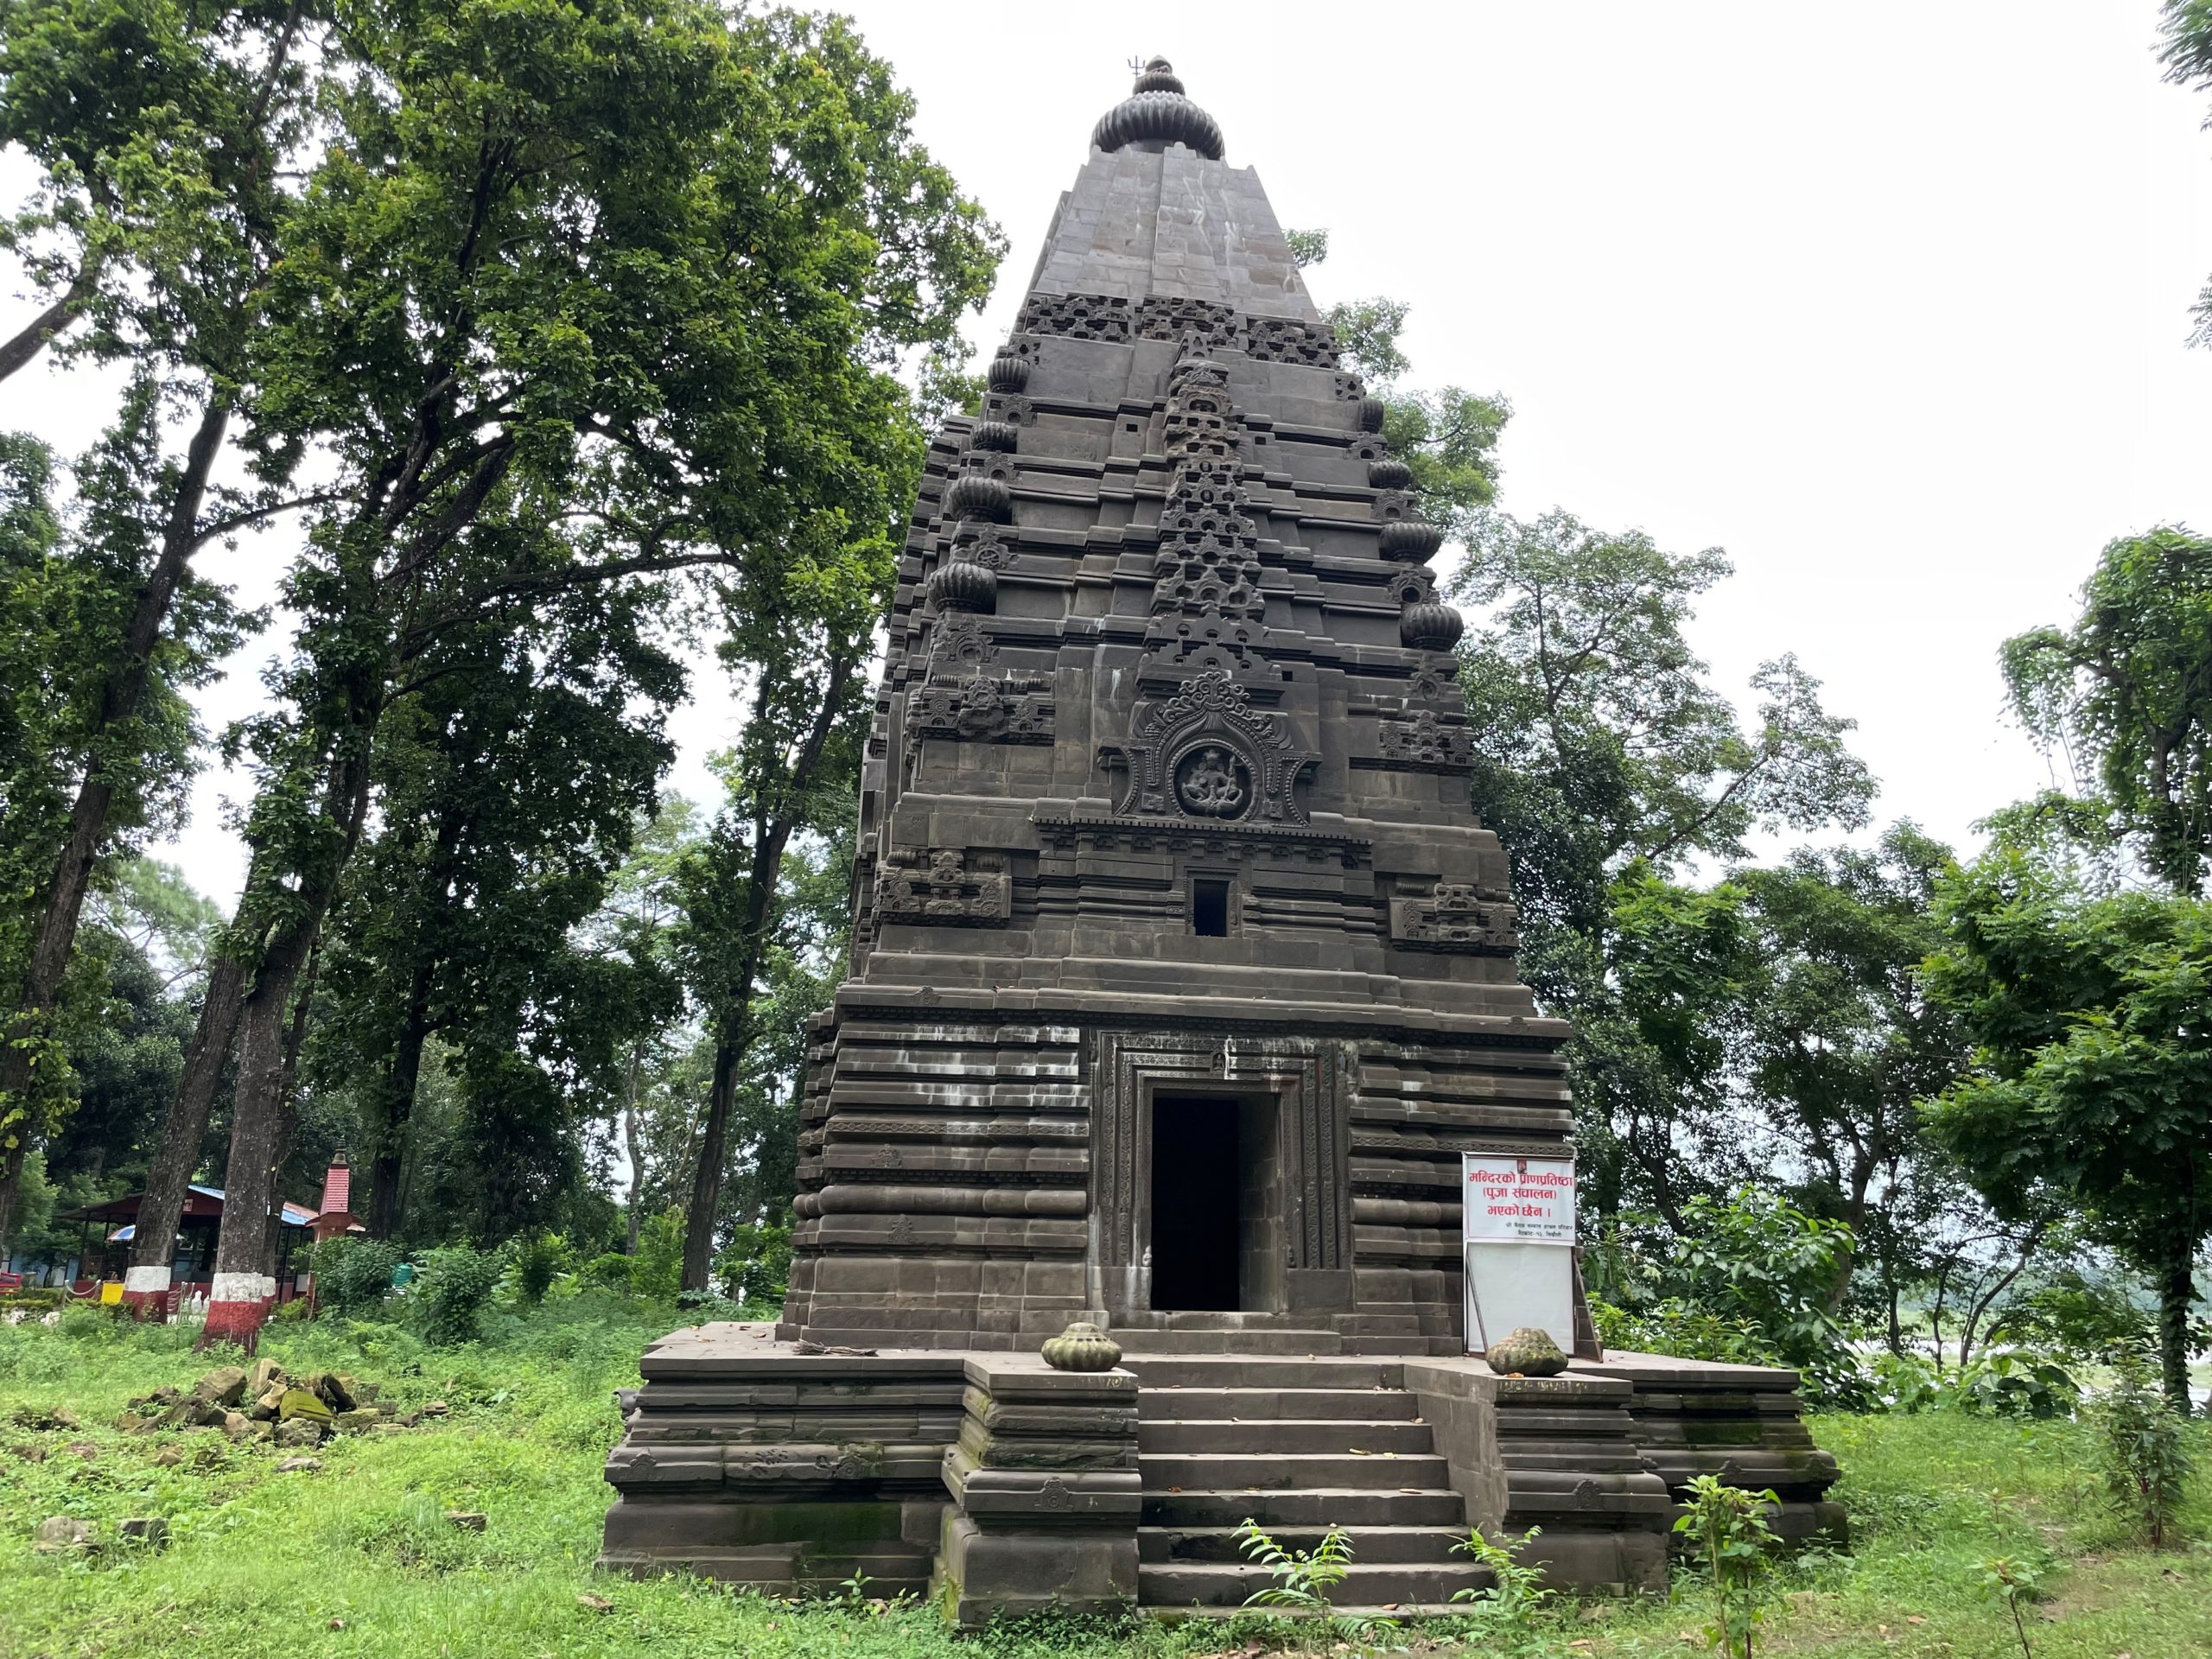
(1158, 75)
(1156, 115)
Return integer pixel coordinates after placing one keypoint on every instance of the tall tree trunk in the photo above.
(732, 1036)
(777, 804)
(161, 1212)
(56, 938)
(637, 1145)
(288, 1122)
(11, 1181)
(2176, 1291)
(399, 1104)
(236, 1299)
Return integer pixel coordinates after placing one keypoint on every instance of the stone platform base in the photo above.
(997, 1485)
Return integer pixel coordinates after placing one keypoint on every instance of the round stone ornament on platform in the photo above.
(1082, 1347)
(1526, 1351)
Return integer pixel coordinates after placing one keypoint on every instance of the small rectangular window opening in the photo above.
(1209, 906)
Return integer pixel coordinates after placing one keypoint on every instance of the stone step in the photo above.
(1338, 1436)
(1232, 1371)
(1373, 1544)
(1365, 1405)
(1225, 1584)
(1278, 1472)
(1249, 1340)
(1408, 1505)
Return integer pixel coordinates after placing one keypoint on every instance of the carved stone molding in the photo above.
(1421, 742)
(981, 709)
(1454, 917)
(1311, 1077)
(1279, 339)
(1076, 316)
(938, 888)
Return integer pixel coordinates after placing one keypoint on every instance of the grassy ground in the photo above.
(356, 1559)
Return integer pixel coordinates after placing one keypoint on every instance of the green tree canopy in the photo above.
(2093, 1083)
(2126, 694)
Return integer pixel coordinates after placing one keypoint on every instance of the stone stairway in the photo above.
(1298, 1444)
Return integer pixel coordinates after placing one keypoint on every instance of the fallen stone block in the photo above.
(225, 1386)
(58, 1532)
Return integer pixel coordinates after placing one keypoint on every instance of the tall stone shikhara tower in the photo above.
(1182, 975)
(1182, 969)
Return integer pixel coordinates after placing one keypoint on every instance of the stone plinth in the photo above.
(1046, 1493)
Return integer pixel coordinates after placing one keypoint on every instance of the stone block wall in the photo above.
(755, 1465)
(1743, 1423)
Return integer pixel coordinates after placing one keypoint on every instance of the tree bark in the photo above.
(11, 1182)
(237, 1300)
(399, 1104)
(161, 1212)
(637, 1144)
(2176, 1291)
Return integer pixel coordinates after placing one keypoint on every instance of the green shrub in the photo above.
(37, 1300)
(1757, 1261)
(539, 1259)
(656, 1271)
(2143, 1450)
(2008, 1383)
(609, 1272)
(755, 1267)
(354, 1274)
(455, 1285)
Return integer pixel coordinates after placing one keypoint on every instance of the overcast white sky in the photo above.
(1890, 301)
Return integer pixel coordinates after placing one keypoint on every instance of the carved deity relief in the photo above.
(1207, 754)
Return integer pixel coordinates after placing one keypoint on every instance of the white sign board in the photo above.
(1517, 1200)
(1519, 1228)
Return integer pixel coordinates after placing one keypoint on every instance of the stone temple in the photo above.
(1182, 976)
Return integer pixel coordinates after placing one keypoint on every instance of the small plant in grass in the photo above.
(1516, 1598)
(1730, 1542)
(2143, 1451)
(1303, 1577)
(2012, 1582)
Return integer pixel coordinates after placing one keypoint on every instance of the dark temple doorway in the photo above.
(1214, 1203)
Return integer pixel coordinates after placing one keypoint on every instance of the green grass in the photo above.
(356, 1560)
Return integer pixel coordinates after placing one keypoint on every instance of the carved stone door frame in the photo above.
(1310, 1078)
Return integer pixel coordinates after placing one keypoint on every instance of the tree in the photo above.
(1842, 1041)
(796, 768)
(1607, 763)
(2185, 27)
(508, 786)
(2091, 1089)
(2127, 694)
(159, 133)
(508, 309)
(635, 934)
